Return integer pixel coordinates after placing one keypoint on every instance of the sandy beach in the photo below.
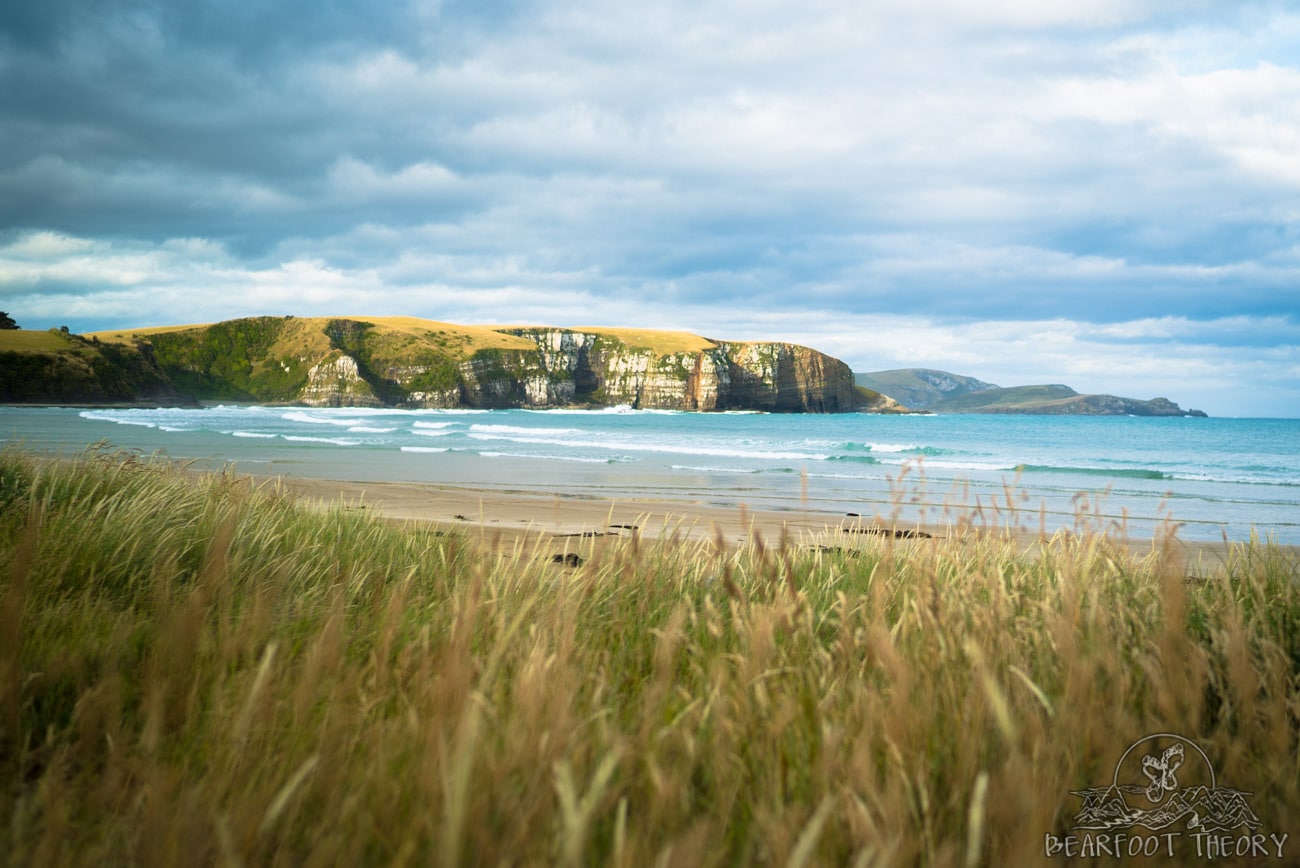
(559, 526)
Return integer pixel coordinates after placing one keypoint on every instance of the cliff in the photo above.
(414, 363)
(613, 368)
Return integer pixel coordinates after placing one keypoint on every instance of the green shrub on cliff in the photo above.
(398, 362)
(232, 360)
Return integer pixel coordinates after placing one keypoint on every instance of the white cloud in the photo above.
(1033, 14)
(1229, 111)
(1195, 362)
(1001, 189)
(353, 179)
(47, 247)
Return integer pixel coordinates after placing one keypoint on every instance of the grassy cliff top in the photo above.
(302, 334)
(460, 341)
(33, 341)
(660, 341)
(127, 336)
(664, 342)
(469, 338)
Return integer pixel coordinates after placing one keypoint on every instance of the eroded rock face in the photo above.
(582, 368)
(574, 368)
(337, 382)
(785, 378)
(416, 398)
(639, 378)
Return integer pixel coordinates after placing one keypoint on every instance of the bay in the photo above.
(1215, 478)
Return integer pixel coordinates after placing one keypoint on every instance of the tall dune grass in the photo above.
(197, 671)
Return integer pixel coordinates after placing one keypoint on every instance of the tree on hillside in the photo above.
(6, 321)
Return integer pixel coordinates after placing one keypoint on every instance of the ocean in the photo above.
(1215, 478)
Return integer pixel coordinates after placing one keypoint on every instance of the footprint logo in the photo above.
(1161, 772)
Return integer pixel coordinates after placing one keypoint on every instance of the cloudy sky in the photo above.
(1104, 193)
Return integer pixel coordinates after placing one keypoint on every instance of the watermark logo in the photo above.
(1165, 800)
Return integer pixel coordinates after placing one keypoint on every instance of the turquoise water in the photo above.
(1215, 477)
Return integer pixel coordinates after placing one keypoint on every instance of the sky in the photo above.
(1101, 193)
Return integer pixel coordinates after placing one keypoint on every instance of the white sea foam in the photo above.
(525, 431)
(628, 409)
(426, 449)
(657, 448)
(438, 432)
(557, 411)
(848, 476)
(366, 429)
(334, 441)
(300, 416)
(1243, 478)
(258, 434)
(892, 447)
(948, 465)
(138, 423)
(535, 457)
(616, 410)
(433, 424)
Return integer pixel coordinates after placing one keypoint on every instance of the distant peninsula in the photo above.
(926, 389)
(417, 363)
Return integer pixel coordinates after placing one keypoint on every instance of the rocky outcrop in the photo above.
(575, 367)
(784, 378)
(873, 402)
(337, 382)
(506, 378)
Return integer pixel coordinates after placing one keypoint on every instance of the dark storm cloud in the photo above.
(166, 119)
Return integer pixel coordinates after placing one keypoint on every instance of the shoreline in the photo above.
(565, 524)
(729, 478)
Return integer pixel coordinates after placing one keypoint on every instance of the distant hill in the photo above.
(920, 388)
(415, 363)
(944, 392)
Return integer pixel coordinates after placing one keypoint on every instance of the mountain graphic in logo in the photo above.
(1164, 781)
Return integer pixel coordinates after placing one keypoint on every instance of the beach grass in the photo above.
(196, 669)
